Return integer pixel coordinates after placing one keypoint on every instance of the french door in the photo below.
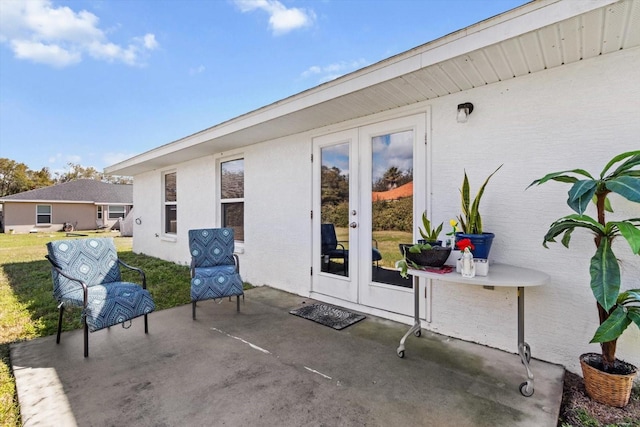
(366, 183)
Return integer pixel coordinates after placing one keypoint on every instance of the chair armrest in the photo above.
(341, 245)
(85, 292)
(139, 270)
(236, 259)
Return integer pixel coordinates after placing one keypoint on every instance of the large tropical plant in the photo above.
(470, 220)
(617, 310)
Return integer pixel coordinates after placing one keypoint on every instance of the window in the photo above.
(116, 212)
(232, 196)
(170, 203)
(43, 214)
(99, 211)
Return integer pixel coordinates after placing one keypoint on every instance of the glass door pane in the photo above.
(334, 207)
(391, 202)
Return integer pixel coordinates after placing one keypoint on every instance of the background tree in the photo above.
(17, 177)
(393, 178)
(335, 186)
(77, 171)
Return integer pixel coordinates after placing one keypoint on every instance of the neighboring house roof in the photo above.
(537, 36)
(405, 190)
(78, 191)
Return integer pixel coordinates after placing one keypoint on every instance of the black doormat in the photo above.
(328, 315)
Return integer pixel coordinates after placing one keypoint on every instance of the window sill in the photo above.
(168, 238)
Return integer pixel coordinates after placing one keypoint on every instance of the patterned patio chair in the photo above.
(86, 273)
(215, 269)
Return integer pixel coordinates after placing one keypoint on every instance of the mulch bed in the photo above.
(577, 407)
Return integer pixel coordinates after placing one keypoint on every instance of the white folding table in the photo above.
(500, 275)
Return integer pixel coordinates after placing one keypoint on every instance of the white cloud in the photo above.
(46, 54)
(281, 19)
(57, 36)
(333, 71)
(197, 70)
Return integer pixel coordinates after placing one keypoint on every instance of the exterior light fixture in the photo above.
(463, 112)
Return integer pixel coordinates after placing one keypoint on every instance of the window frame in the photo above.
(228, 201)
(99, 214)
(120, 214)
(166, 231)
(38, 214)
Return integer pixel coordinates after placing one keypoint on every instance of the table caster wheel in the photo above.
(417, 333)
(525, 390)
(400, 354)
(526, 352)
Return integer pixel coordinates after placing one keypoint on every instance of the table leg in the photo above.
(526, 388)
(416, 328)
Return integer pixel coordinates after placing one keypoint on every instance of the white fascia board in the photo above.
(507, 26)
(112, 203)
(48, 201)
(529, 17)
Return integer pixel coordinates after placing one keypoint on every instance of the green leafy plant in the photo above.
(470, 221)
(427, 232)
(616, 310)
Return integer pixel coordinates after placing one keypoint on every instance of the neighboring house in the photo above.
(554, 85)
(87, 204)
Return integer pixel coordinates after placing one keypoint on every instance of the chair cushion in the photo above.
(94, 261)
(211, 247)
(112, 303)
(215, 282)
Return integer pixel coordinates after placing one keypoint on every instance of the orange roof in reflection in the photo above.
(405, 190)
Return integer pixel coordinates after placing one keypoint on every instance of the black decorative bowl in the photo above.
(434, 257)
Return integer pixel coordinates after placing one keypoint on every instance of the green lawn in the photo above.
(387, 244)
(28, 310)
(27, 307)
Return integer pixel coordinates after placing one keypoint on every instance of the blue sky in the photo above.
(95, 82)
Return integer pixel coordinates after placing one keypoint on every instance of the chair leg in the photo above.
(60, 324)
(146, 324)
(238, 303)
(86, 339)
(194, 309)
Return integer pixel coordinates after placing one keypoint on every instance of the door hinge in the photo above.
(311, 270)
(312, 158)
(425, 139)
(311, 214)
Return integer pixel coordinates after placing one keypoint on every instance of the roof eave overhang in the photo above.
(257, 126)
(84, 202)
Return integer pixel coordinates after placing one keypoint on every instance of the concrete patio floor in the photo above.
(266, 367)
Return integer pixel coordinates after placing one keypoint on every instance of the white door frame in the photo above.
(359, 287)
(380, 295)
(333, 285)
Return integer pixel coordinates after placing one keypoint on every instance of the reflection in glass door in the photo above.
(391, 202)
(335, 215)
(334, 207)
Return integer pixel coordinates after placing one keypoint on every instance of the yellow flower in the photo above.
(453, 223)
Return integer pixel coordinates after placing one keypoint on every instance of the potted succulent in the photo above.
(470, 221)
(617, 310)
(428, 252)
(428, 233)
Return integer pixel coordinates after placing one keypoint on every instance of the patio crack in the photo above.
(265, 351)
(253, 346)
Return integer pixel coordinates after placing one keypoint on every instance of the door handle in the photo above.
(353, 225)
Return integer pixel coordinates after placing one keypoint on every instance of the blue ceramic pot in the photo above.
(482, 243)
